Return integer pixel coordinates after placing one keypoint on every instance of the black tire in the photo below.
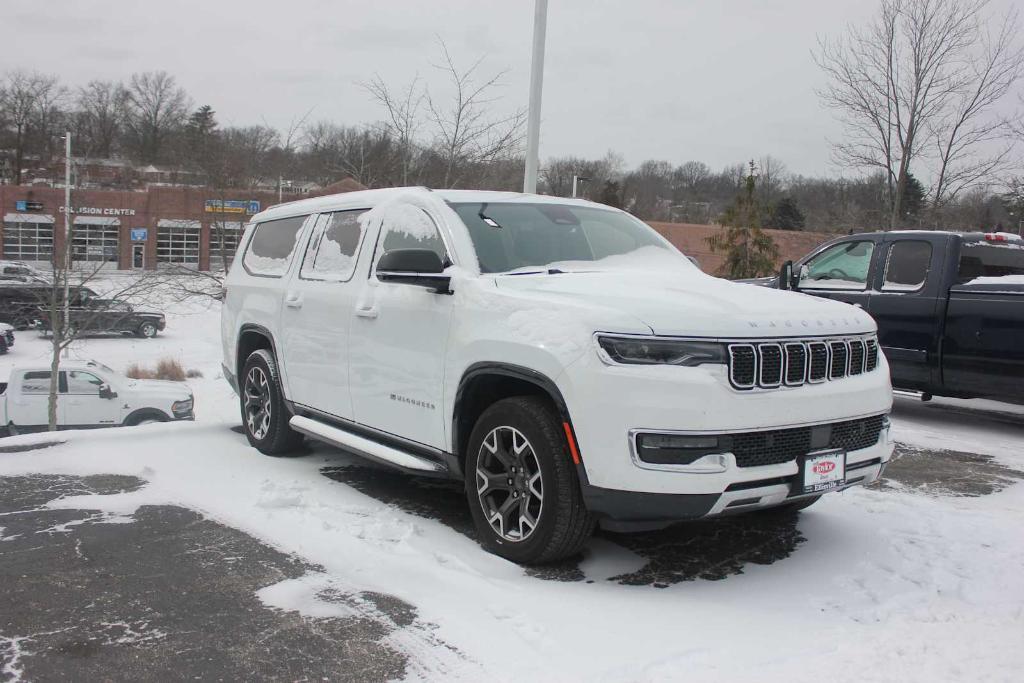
(3, 346)
(146, 330)
(562, 523)
(269, 433)
(144, 417)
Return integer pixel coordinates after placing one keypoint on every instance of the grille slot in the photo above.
(771, 365)
(756, 449)
(743, 365)
(856, 357)
(840, 359)
(871, 355)
(796, 364)
(818, 371)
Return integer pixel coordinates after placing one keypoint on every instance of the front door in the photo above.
(839, 272)
(317, 313)
(83, 405)
(138, 256)
(398, 340)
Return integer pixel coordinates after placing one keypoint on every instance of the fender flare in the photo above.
(131, 419)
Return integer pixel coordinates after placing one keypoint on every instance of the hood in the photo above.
(690, 303)
(159, 387)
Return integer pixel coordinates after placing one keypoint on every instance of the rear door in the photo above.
(983, 351)
(840, 271)
(907, 303)
(28, 400)
(317, 314)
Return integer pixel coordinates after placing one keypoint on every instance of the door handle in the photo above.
(293, 300)
(368, 312)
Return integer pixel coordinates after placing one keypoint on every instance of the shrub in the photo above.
(166, 368)
(194, 374)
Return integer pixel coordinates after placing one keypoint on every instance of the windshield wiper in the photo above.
(548, 271)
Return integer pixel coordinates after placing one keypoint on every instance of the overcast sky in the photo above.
(718, 82)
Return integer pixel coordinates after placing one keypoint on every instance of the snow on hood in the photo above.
(4, 327)
(160, 387)
(686, 302)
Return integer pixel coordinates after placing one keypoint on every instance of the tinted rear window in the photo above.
(272, 245)
(990, 260)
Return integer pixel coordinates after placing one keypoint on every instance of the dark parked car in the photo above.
(20, 302)
(112, 315)
(949, 305)
(6, 337)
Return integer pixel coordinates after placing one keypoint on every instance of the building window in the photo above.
(95, 239)
(28, 238)
(177, 241)
(224, 238)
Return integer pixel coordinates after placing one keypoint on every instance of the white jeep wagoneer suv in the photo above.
(559, 356)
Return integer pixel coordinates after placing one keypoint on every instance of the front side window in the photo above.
(906, 269)
(80, 382)
(331, 254)
(842, 266)
(35, 383)
(272, 245)
(409, 227)
(509, 236)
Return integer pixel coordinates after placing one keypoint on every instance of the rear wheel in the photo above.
(264, 415)
(521, 484)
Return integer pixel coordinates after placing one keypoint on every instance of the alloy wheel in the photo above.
(509, 484)
(257, 403)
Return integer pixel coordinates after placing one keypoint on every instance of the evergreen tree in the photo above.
(913, 197)
(749, 252)
(786, 215)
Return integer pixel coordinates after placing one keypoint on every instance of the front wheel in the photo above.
(147, 330)
(264, 415)
(521, 484)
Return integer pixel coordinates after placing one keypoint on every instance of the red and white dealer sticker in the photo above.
(824, 471)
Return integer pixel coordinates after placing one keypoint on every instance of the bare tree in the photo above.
(900, 80)
(156, 108)
(403, 123)
(466, 129)
(101, 105)
(27, 100)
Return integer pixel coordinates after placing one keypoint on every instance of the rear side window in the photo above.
(906, 269)
(35, 383)
(991, 261)
(331, 254)
(272, 245)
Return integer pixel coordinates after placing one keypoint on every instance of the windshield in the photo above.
(510, 237)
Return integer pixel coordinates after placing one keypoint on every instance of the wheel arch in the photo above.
(483, 384)
(136, 416)
(252, 337)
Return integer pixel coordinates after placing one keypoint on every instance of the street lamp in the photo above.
(540, 19)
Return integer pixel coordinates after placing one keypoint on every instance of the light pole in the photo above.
(578, 179)
(540, 18)
(66, 266)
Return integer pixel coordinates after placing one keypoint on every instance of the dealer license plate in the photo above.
(824, 471)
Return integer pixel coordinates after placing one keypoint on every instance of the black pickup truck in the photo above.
(949, 305)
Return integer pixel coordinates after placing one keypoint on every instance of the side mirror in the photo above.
(786, 276)
(106, 392)
(420, 267)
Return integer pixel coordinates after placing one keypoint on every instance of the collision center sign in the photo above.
(98, 211)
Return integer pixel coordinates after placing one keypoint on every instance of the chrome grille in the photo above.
(769, 365)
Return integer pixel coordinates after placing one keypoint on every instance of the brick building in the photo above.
(195, 227)
(127, 229)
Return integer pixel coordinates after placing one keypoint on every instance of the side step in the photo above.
(363, 446)
(907, 393)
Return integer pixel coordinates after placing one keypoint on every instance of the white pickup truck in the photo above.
(91, 395)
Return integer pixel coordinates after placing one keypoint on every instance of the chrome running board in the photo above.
(907, 393)
(362, 446)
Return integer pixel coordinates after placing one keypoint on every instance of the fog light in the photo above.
(675, 449)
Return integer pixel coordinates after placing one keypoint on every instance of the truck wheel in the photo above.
(3, 345)
(264, 415)
(146, 330)
(521, 484)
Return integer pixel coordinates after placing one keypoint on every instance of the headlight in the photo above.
(637, 351)
(182, 407)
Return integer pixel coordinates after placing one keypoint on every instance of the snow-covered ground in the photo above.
(898, 582)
